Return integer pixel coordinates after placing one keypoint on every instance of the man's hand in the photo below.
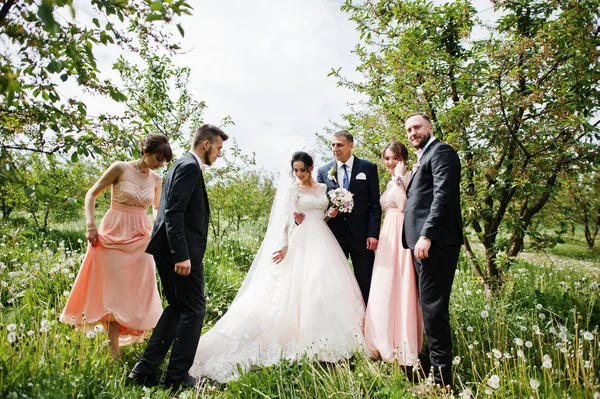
(372, 243)
(278, 256)
(298, 217)
(422, 248)
(183, 268)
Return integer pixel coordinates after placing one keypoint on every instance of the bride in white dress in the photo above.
(299, 298)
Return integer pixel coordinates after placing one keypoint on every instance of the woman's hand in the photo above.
(278, 256)
(92, 235)
(400, 169)
(332, 212)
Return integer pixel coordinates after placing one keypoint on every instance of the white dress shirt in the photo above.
(198, 159)
(340, 171)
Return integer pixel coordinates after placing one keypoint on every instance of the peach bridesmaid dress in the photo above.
(117, 281)
(393, 321)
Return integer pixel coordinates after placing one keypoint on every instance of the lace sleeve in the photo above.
(289, 224)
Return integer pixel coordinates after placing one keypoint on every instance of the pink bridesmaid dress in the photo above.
(393, 322)
(117, 281)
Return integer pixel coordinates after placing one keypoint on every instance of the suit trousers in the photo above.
(435, 275)
(362, 262)
(181, 321)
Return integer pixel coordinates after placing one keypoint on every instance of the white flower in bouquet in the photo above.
(341, 199)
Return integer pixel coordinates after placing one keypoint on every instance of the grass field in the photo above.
(538, 338)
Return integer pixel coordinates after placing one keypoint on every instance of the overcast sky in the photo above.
(265, 63)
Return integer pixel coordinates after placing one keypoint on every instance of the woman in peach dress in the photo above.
(393, 321)
(116, 285)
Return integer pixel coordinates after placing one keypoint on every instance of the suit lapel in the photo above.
(355, 168)
(334, 166)
(201, 182)
(424, 158)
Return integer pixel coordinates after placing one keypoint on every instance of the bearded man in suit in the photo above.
(178, 244)
(433, 230)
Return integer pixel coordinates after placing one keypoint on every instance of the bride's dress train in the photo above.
(308, 305)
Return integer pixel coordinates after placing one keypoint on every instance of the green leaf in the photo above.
(181, 31)
(54, 66)
(74, 157)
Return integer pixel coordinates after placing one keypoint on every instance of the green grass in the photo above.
(541, 329)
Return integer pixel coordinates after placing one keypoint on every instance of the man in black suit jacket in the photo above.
(357, 232)
(433, 230)
(178, 243)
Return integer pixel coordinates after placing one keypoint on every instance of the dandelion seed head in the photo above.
(588, 336)
(99, 328)
(484, 314)
(12, 337)
(470, 329)
(538, 306)
(11, 327)
(90, 334)
(494, 381)
(534, 384)
(528, 344)
(518, 342)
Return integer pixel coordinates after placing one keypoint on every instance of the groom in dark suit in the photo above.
(357, 232)
(433, 230)
(178, 243)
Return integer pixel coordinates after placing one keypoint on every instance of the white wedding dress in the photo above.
(308, 305)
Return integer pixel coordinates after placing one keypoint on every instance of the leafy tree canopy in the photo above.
(48, 45)
(520, 102)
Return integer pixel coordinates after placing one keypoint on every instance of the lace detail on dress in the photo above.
(130, 194)
(312, 201)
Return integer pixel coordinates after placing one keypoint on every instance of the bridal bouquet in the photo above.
(340, 199)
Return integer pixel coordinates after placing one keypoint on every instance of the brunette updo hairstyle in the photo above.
(398, 149)
(301, 156)
(157, 143)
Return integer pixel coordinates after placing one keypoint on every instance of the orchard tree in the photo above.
(158, 97)
(519, 101)
(48, 46)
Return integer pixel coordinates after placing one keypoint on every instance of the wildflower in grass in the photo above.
(542, 316)
(587, 364)
(518, 342)
(456, 361)
(494, 381)
(90, 334)
(484, 314)
(562, 336)
(470, 329)
(99, 328)
(552, 330)
(12, 337)
(66, 293)
(538, 306)
(528, 344)
(521, 354)
(30, 333)
(588, 336)
(547, 362)
(466, 394)
(45, 324)
(497, 353)
(11, 327)
(534, 384)
(596, 395)
(488, 391)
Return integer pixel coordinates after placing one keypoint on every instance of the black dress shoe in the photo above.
(186, 382)
(141, 374)
(146, 380)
